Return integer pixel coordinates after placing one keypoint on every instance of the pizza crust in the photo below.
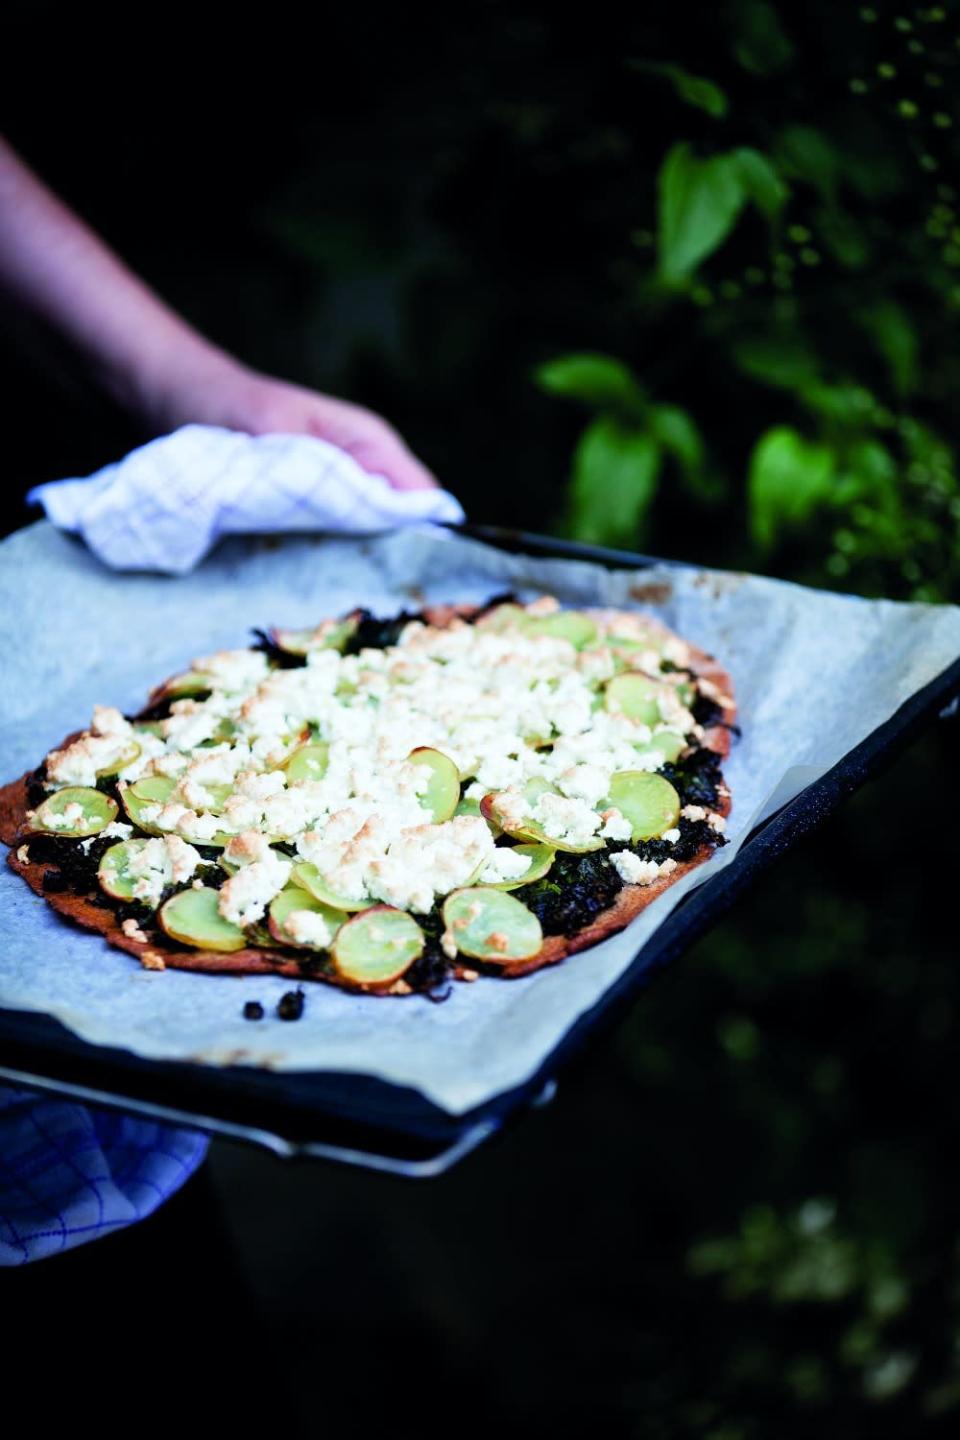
(630, 902)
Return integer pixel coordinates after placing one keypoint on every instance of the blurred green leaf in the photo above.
(891, 330)
(785, 362)
(874, 468)
(761, 45)
(615, 473)
(699, 201)
(597, 380)
(700, 92)
(843, 236)
(789, 478)
(694, 89)
(840, 404)
(760, 180)
(805, 153)
(679, 436)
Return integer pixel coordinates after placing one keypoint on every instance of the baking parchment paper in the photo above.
(814, 674)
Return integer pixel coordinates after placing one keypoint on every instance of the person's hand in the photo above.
(228, 394)
(148, 357)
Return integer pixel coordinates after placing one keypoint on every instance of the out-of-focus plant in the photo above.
(838, 306)
(624, 448)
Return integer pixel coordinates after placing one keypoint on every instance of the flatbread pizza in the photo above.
(389, 805)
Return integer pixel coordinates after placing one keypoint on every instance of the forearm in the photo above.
(151, 360)
(56, 267)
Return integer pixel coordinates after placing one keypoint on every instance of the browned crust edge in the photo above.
(631, 901)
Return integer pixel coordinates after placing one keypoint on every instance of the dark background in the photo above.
(739, 1218)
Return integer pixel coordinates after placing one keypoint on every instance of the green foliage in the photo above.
(789, 479)
(808, 250)
(597, 380)
(620, 455)
(694, 89)
(615, 473)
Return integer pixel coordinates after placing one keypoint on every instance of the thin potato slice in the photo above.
(294, 900)
(307, 762)
(441, 794)
(89, 811)
(541, 858)
(192, 916)
(113, 872)
(308, 877)
(377, 946)
(487, 924)
(570, 625)
(647, 800)
(635, 696)
(530, 830)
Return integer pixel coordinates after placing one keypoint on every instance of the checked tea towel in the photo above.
(69, 1174)
(165, 504)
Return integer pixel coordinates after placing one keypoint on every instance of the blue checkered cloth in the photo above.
(69, 1174)
(165, 504)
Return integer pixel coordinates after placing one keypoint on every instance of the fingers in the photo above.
(385, 454)
(403, 470)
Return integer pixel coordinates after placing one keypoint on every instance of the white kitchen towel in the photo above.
(164, 505)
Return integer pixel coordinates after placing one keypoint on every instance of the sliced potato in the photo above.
(530, 830)
(302, 642)
(293, 899)
(308, 877)
(487, 924)
(570, 625)
(125, 757)
(307, 762)
(92, 811)
(502, 617)
(151, 790)
(377, 946)
(647, 800)
(178, 687)
(192, 917)
(665, 745)
(541, 858)
(635, 696)
(441, 794)
(113, 872)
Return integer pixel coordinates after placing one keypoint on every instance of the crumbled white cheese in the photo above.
(115, 830)
(671, 836)
(569, 821)
(616, 826)
(233, 669)
(308, 927)
(66, 819)
(246, 847)
(517, 714)
(81, 762)
(585, 782)
(504, 864)
(157, 863)
(108, 721)
(634, 871)
(243, 898)
(693, 812)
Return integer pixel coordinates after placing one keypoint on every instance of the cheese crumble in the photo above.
(520, 713)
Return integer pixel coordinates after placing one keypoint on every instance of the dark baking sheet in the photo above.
(359, 1120)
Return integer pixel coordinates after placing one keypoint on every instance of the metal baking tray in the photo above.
(359, 1120)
